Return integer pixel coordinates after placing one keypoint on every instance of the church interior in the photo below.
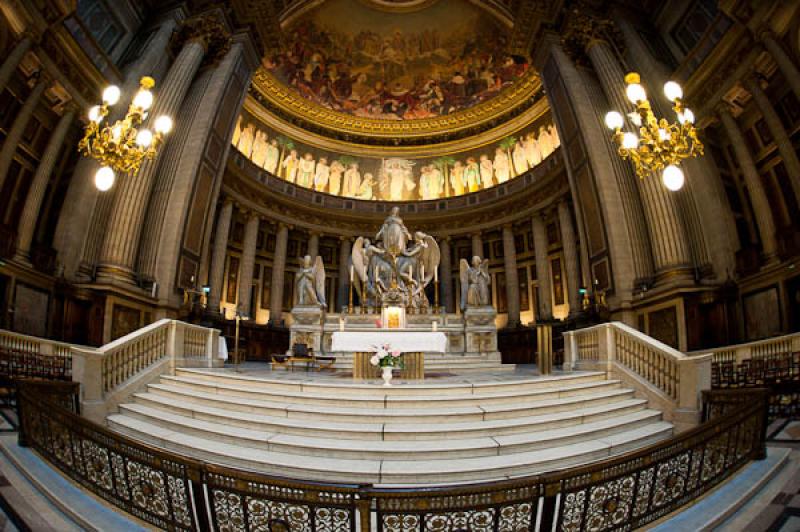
(399, 265)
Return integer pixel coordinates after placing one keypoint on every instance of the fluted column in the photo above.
(785, 63)
(477, 245)
(545, 299)
(512, 279)
(12, 140)
(344, 273)
(223, 230)
(668, 236)
(13, 59)
(278, 271)
(446, 277)
(570, 256)
(121, 242)
(313, 245)
(782, 140)
(30, 212)
(710, 219)
(758, 197)
(84, 216)
(248, 263)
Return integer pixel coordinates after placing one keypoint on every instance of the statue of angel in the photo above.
(475, 282)
(310, 283)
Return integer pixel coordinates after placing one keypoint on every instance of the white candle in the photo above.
(435, 325)
(422, 272)
(411, 272)
(436, 274)
(341, 324)
(351, 273)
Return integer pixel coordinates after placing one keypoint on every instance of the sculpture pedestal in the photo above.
(307, 327)
(480, 331)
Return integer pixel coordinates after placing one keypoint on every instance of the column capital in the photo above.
(582, 31)
(723, 108)
(206, 29)
(765, 34)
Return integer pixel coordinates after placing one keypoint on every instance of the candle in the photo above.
(435, 325)
(341, 324)
(411, 272)
(436, 274)
(375, 279)
(422, 272)
(351, 273)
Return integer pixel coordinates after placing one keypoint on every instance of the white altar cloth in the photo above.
(402, 340)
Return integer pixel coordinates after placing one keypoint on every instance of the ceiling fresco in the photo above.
(352, 57)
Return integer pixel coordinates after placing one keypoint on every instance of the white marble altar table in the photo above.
(401, 340)
(413, 345)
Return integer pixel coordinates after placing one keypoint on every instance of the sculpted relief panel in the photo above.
(394, 179)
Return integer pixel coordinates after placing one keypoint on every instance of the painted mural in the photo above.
(394, 179)
(442, 58)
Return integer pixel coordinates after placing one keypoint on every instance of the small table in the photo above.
(413, 345)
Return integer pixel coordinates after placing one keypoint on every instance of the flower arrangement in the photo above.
(385, 357)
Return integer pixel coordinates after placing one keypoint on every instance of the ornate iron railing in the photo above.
(178, 493)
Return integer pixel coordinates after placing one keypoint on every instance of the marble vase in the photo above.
(386, 373)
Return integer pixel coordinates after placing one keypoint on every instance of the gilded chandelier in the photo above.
(660, 145)
(122, 146)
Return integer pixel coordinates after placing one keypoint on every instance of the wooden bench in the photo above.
(312, 362)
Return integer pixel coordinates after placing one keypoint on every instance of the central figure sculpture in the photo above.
(397, 267)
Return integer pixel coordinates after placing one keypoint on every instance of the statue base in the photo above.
(480, 331)
(307, 327)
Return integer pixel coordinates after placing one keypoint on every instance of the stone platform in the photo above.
(450, 428)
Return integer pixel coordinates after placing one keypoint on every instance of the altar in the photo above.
(413, 345)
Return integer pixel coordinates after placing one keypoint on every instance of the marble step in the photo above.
(391, 471)
(160, 410)
(391, 449)
(347, 387)
(426, 414)
(235, 395)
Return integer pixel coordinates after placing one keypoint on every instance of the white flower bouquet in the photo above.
(386, 357)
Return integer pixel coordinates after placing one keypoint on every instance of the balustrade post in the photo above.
(87, 369)
(611, 346)
(570, 350)
(212, 347)
(172, 344)
(693, 376)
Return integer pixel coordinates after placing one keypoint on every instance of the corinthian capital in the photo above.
(209, 30)
(582, 30)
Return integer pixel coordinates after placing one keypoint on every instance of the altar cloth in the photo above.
(401, 340)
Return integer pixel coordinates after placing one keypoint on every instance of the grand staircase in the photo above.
(434, 433)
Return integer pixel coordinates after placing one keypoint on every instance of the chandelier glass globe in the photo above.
(104, 179)
(672, 177)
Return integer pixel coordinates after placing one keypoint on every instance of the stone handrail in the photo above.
(21, 342)
(778, 345)
(668, 378)
(111, 373)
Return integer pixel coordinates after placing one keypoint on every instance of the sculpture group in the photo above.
(397, 267)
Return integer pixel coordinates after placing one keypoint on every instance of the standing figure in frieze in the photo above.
(400, 178)
(437, 179)
(260, 145)
(271, 161)
(520, 159)
(310, 283)
(457, 180)
(545, 142)
(554, 140)
(290, 166)
(487, 169)
(306, 169)
(502, 171)
(335, 181)
(322, 174)
(245, 144)
(532, 152)
(352, 181)
(475, 282)
(365, 191)
(472, 175)
(237, 131)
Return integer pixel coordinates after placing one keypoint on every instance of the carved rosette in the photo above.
(206, 29)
